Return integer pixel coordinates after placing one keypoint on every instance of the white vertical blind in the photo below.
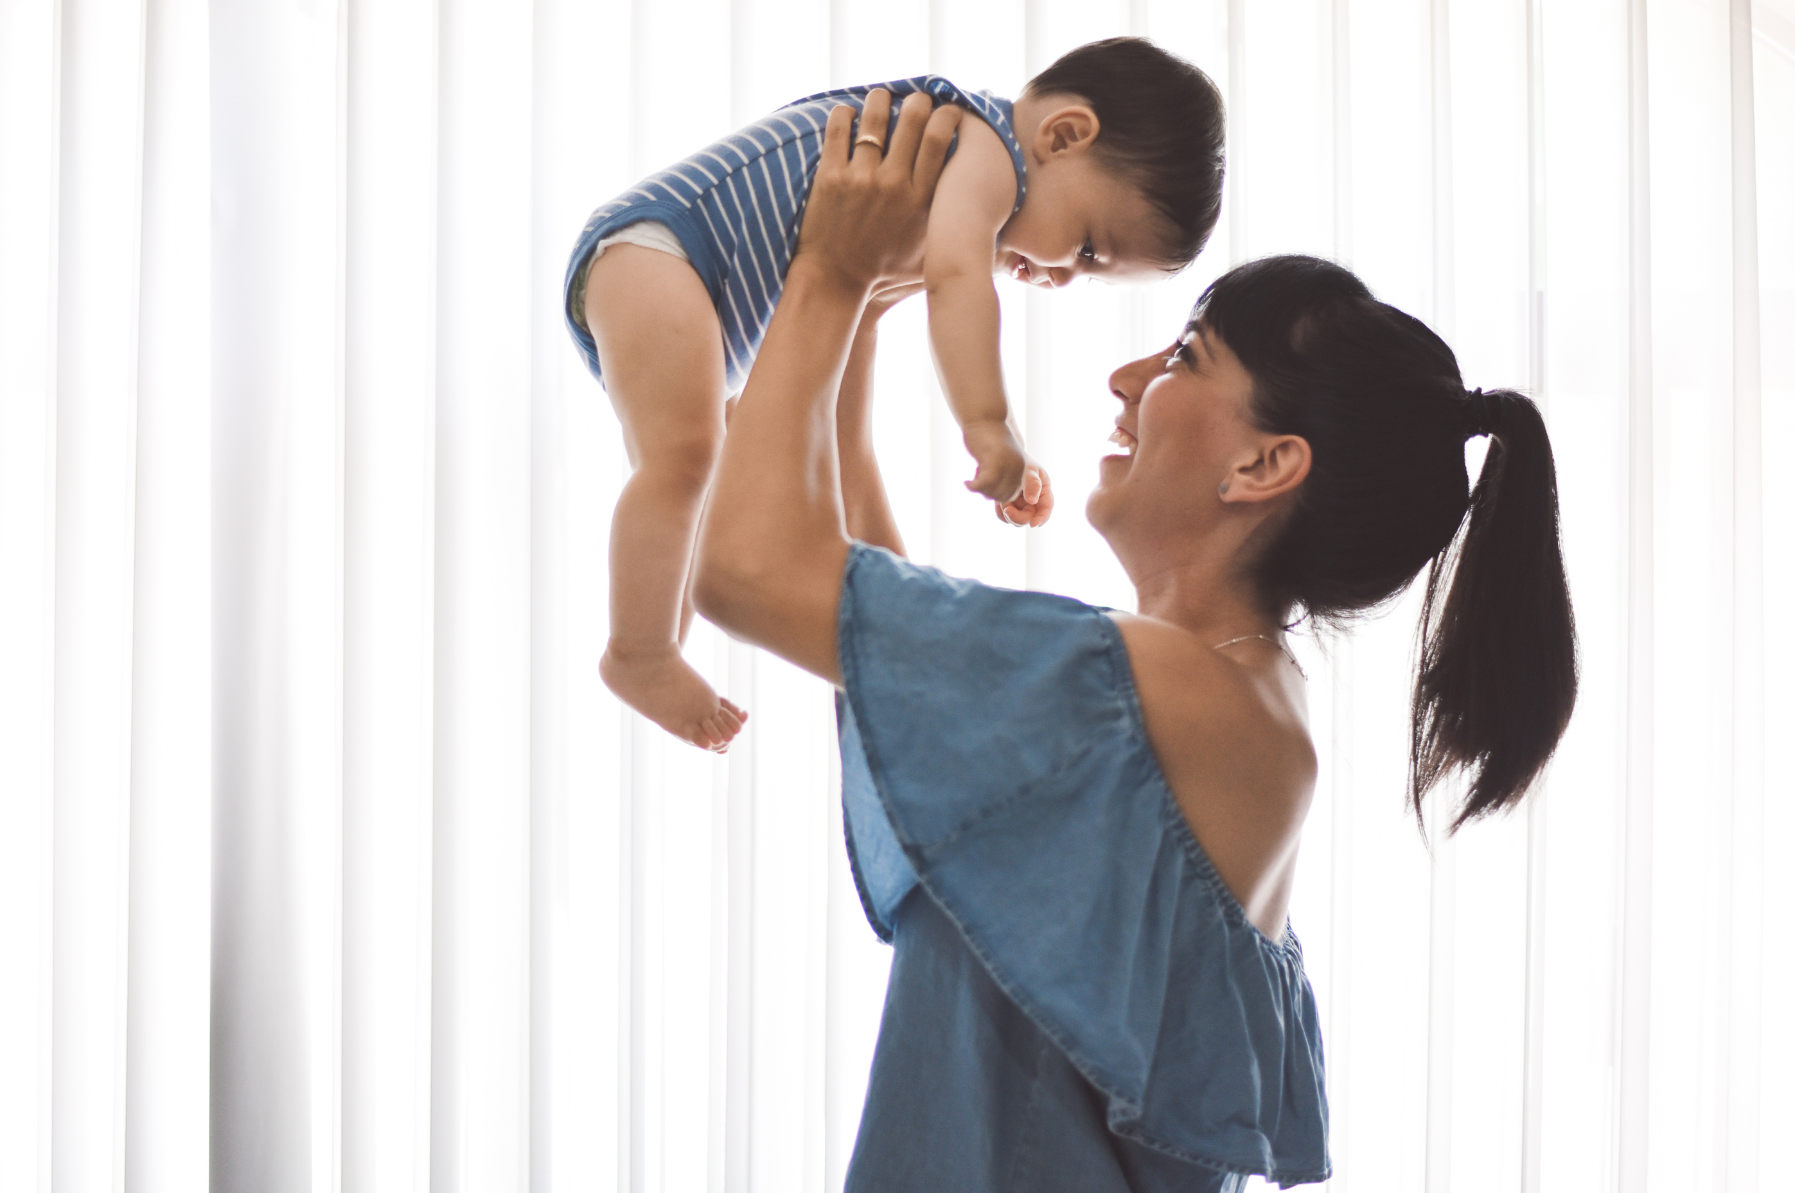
(330, 864)
(29, 42)
(170, 883)
(389, 611)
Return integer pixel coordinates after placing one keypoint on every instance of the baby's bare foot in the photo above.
(663, 687)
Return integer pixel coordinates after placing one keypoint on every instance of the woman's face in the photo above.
(1183, 427)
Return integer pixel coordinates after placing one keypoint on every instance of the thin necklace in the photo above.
(1267, 638)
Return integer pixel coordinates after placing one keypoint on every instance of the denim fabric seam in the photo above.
(1284, 1177)
(1287, 947)
(1002, 804)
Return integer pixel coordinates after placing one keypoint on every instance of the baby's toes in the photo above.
(719, 732)
(704, 734)
(728, 727)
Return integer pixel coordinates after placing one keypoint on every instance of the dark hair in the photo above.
(1160, 126)
(1379, 399)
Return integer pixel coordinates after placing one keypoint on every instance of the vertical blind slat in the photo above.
(388, 593)
(277, 634)
(97, 380)
(29, 106)
(1740, 1111)
(1632, 1070)
(168, 1029)
(482, 704)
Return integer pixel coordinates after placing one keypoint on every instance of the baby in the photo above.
(1109, 165)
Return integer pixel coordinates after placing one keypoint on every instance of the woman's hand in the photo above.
(774, 538)
(869, 209)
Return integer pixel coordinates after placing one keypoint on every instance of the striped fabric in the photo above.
(736, 206)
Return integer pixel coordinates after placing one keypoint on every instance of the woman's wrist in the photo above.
(810, 274)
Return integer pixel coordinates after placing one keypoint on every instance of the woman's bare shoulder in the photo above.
(1234, 746)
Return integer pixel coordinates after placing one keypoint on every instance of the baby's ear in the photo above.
(1070, 128)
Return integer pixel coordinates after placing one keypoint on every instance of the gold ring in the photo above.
(869, 139)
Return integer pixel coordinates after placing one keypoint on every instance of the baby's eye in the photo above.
(1087, 251)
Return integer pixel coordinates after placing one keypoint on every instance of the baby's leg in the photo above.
(661, 351)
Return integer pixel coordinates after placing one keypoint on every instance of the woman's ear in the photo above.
(1068, 129)
(1281, 465)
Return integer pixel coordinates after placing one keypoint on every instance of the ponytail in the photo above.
(1498, 671)
(1379, 398)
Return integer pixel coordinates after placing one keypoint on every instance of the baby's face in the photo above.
(1080, 220)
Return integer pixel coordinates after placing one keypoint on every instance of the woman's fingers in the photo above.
(931, 157)
(868, 211)
(913, 114)
(875, 120)
(835, 137)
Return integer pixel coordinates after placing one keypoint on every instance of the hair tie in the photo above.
(1482, 410)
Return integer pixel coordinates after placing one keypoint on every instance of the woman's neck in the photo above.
(1203, 601)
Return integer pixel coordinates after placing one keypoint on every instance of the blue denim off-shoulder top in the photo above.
(1077, 1001)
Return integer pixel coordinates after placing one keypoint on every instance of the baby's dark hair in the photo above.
(1160, 126)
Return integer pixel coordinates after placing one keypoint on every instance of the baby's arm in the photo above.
(974, 199)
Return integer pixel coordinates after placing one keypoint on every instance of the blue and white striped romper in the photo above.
(736, 206)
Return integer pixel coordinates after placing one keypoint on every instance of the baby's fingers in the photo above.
(1033, 481)
(1026, 510)
(1043, 503)
(990, 482)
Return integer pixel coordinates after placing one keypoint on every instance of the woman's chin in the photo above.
(1110, 471)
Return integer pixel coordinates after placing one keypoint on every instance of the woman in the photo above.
(1080, 827)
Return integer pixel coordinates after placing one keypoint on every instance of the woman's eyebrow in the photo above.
(1202, 337)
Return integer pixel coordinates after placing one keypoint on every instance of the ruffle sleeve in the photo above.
(993, 751)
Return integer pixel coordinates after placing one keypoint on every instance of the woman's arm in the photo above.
(774, 541)
(863, 496)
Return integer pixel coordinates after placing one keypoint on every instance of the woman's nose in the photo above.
(1128, 382)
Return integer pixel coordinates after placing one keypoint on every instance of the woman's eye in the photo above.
(1088, 251)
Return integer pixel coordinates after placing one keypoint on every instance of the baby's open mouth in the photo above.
(1022, 270)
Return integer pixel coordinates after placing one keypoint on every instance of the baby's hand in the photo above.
(1000, 460)
(1035, 505)
(1019, 486)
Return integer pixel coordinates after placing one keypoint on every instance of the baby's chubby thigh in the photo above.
(660, 349)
